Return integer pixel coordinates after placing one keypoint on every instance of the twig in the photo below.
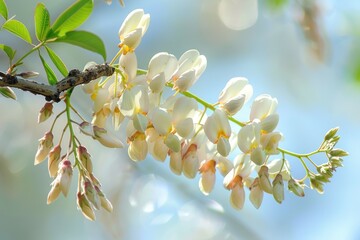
(52, 92)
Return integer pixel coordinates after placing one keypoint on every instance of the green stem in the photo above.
(116, 57)
(27, 54)
(69, 123)
(298, 155)
(205, 104)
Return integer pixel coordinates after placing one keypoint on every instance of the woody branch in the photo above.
(52, 92)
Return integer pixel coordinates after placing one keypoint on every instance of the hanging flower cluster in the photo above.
(164, 120)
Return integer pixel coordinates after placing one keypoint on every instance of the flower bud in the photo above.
(331, 133)
(105, 203)
(64, 176)
(256, 194)
(30, 74)
(45, 112)
(85, 158)
(54, 191)
(45, 145)
(278, 188)
(336, 162)
(264, 180)
(338, 153)
(84, 206)
(7, 92)
(91, 193)
(295, 187)
(316, 184)
(53, 161)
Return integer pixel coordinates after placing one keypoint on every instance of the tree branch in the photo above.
(52, 92)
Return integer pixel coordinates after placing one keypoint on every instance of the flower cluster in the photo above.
(164, 120)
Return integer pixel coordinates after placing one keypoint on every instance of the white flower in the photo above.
(161, 121)
(161, 67)
(217, 129)
(235, 93)
(249, 137)
(270, 142)
(182, 116)
(262, 107)
(236, 178)
(191, 66)
(134, 101)
(133, 29)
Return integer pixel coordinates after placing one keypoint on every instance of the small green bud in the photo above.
(331, 133)
(316, 184)
(338, 153)
(295, 187)
(336, 162)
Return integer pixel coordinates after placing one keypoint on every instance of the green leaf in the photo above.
(49, 72)
(3, 9)
(18, 28)
(57, 61)
(7, 92)
(73, 17)
(85, 40)
(42, 21)
(8, 50)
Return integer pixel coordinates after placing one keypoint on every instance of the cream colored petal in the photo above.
(138, 149)
(128, 63)
(131, 22)
(185, 128)
(161, 121)
(172, 142)
(176, 163)
(237, 197)
(207, 182)
(223, 146)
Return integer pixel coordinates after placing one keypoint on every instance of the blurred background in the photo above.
(304, 53)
